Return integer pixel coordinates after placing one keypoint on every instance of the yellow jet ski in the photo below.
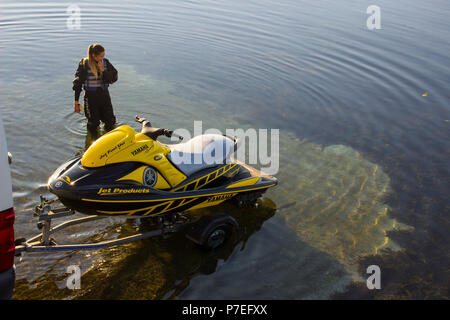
(129, 173)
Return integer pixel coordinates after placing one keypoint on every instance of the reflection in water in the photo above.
(153, 268)
(91, 137)
(163, 268)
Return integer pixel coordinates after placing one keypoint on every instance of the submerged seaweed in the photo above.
(338, 200)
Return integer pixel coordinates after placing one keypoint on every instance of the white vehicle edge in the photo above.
(7, 248)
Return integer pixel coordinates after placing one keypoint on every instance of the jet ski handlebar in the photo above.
(143, 121)
(154, 133)
(172, 134)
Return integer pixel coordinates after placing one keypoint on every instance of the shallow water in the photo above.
(364, 170)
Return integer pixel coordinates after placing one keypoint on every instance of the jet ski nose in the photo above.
(270, 179)
(58, 185)
(61, 169)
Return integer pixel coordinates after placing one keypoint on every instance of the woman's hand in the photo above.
(100, 66)
(77, 107)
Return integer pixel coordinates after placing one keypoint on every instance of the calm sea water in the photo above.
(364, 123)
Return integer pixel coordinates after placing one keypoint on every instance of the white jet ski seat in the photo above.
(200, 152)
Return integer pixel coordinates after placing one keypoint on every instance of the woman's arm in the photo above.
(80, 77)
(110, 75)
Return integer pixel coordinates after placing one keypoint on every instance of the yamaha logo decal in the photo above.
(149, 177)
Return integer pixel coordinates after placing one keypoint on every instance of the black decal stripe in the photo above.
(202, 182)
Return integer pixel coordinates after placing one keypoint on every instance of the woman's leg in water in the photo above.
(92, 105)
(107, 112)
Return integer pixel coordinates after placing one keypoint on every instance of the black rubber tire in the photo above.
(216, 237)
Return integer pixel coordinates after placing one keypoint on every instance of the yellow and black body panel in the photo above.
(137, 177)
(146, 202)
(119, 189)
(123, 144)
(129, 173)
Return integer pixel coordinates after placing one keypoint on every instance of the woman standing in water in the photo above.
(95, 73)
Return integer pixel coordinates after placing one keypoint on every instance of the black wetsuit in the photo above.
(97, 104)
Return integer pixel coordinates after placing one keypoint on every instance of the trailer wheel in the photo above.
(216, 238)
(212, 231)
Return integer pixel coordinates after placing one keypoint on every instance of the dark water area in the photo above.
(366, 108)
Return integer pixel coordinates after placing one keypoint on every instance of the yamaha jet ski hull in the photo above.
(149, 183)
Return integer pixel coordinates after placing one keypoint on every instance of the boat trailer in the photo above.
(204, 233)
